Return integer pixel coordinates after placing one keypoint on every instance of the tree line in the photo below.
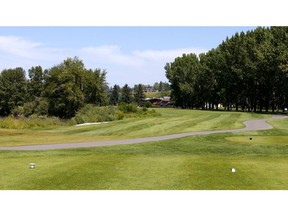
(61, 90)
(248, 71)
(159, 86)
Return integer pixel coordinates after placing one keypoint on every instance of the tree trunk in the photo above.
(267, 102)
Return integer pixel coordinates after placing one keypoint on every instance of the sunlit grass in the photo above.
(191, 163)
(169, 122)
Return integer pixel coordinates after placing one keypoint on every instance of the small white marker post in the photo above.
(32, 165)
(233, 170)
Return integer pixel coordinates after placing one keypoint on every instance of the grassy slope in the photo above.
(171, 121)
(197, 162)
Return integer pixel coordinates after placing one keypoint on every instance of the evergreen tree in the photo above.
(139, 95)
(126, 95)
(115, 95)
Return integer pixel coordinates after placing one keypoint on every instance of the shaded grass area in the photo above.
(170, 121)
(190, 163)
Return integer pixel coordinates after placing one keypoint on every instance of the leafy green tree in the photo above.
(64, 85)
(95, 87)
(229, 75)
(156, 86)
(13, 89)
(41, 106)
(206, 82)
(279, 58)
(182, 75)
(161, 86)
(36, 82)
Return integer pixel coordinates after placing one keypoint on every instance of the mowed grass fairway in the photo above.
(190, 163)
(170, 121)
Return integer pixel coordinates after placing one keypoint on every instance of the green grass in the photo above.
(152, 94)
(169, 122)
(190, 163)
(157, 94)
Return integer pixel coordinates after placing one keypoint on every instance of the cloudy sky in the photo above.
(130, 55)
(132, 40)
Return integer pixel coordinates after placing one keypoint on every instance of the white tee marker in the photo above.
(233, 170)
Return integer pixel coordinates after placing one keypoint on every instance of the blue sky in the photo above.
(130, 55)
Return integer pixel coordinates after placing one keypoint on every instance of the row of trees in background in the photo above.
(127, 95)
(61, 90)
(158, 87)
(248, 71)
(136, 94)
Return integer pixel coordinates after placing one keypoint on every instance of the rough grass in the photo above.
(190, 163)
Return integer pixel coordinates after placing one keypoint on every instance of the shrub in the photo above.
(17, 111)
(119, 115)
(128, 108)
(79, 119)
(33, 121)
(41, 106)
(147, 104)
(28, 108)
(92, 113)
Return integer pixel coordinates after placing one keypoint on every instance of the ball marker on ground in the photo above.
(32, 165)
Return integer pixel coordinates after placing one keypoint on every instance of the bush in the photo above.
(128, 108)
(33, 121)
(147, 104)
(18, 111)
(92, 113)
(41, 106)
(79, 119)
(28, 108)
(119, 115)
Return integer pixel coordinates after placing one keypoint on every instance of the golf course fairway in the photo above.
(199, 162)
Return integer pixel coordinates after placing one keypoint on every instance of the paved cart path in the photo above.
(250, 125)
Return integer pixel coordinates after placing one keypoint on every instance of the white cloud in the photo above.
(166, 55)
(114, 54)
(131, 67)
(18, 47)
(136, 66)
(111, 54)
